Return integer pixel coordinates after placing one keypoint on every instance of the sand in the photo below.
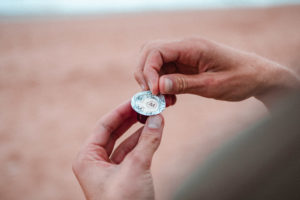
(59, 75)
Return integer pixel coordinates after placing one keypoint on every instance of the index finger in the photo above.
(109, 123)
(157, 57)
(138, 74)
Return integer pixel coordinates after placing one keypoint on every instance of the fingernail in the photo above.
(150, 85)
(154, 122)
(143, 87)
(168, 85)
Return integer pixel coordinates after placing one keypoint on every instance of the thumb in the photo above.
(178, 83)
(141, 156)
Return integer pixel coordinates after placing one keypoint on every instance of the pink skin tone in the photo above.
(193, 65)
(209, 69)
(124, 173)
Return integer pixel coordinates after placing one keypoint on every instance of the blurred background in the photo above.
(65, 63)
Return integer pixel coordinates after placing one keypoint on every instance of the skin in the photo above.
(125, 172)
(199, 66)
(193, 65)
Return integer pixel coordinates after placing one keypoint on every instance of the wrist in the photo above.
(277, 83)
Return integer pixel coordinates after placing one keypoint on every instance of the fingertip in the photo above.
(144, 87)
(152, 79)
(155, 122)
(150, 86)
(166, 85)
(149, 140)
(153, 88)
(155, 91)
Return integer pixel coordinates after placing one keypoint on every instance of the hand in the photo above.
(124, 174)
(206, 68)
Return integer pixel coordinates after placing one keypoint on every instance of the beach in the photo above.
(59, 75)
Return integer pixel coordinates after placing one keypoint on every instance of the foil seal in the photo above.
(145, 103)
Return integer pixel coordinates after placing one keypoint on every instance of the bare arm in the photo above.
(209, 69)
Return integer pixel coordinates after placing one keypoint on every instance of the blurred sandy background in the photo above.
(59, 75)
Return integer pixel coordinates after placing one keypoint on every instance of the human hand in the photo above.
(125, 173)
(206, 68)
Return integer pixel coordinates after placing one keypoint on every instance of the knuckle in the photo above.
(135, 158)
(182, 85)
(203, 43)
(140, 161)
(153, 139)
(144, 45)
(147, 45)
(210, 82)
(210, 86)
(146, 164)
(151, 45)
(196, 39)
(193, 39)
(107, 127)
